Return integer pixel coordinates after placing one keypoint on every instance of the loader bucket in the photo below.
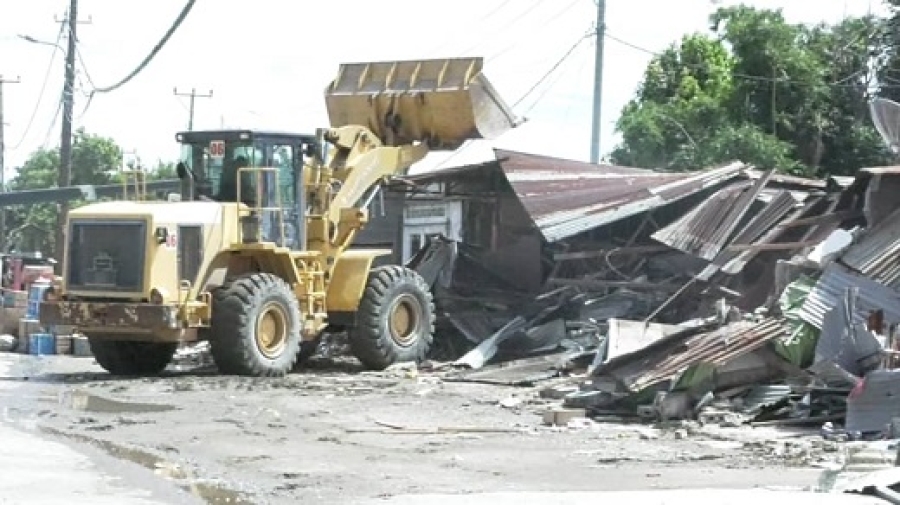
(441, 103)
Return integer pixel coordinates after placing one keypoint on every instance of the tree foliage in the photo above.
(96, 160)
(762, 90)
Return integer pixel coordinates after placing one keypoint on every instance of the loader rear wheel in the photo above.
(122, 357)
(255, 327)
(395, 320)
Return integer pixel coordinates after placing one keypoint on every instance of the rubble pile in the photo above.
(772, 301)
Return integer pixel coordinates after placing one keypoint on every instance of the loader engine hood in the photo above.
(129, 249)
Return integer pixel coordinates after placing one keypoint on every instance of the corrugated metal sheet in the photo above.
(704, 231)
(877, 254)
(832, 287)
(873, 407)
(755, 232)
(732, 262)
(565, 198)
(695, 233)
(670, 356)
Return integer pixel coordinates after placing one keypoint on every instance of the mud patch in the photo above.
(209, 492)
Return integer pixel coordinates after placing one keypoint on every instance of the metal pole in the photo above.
(65, 146)
(598, 82)
(3, 162)
(193, 96)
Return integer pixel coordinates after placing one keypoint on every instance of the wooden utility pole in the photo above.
(3, 161)
(598, 82)
(193, 95)
(65, 146)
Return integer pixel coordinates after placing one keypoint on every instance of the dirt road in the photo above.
(335, 434)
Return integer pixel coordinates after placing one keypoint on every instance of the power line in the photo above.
(543, 78)
(839, 83)
(37, 104)
(555, 66)
(544, 24)
(550, 86)
(159, 45)
(505, 27)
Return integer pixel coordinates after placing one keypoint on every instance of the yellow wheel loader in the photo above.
(255, 253)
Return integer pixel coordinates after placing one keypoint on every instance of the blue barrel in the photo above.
(41, 344)
(35, 296)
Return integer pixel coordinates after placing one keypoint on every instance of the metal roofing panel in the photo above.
(877, 254)
(670, 356)
(704, 231)
(832, 287)
(565, 197)
(695, 232)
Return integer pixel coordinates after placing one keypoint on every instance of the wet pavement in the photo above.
(336, 434)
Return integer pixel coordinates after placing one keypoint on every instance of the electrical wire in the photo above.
(159, 45)
(552, 85)
(544, 24)
(543, 78)
(555, 66)
(46, 141)
(37, 105)
(839, 83)
(505, 27)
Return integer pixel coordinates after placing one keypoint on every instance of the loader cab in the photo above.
(210, 161)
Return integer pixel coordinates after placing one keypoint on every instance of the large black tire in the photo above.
(255, 326)
(123, 357)
(395, 320)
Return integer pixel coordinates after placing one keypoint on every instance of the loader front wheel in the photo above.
(255, 327)
(395, 320)
(123, 357)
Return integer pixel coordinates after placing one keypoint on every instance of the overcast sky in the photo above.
(268, 62)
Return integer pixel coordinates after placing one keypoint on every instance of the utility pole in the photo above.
(2, 161)
(193, 95)
(598, 82)
(65, 146)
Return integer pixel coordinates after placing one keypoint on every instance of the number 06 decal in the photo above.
(217, 148)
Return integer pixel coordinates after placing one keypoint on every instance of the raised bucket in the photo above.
(41, 344)
(440, 102)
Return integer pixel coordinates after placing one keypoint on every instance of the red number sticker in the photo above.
(171, 240)
(217, 149)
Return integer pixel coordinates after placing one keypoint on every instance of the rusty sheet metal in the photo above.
(98, 316)
(565, 198)
(670, 356)
(877, 254)
(704, 231)
(695, 232)
(832, 287)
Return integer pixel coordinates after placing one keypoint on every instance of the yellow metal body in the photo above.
(385, 117)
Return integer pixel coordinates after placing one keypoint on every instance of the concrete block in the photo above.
(562, 416)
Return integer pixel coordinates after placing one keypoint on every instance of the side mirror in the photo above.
(182, 170)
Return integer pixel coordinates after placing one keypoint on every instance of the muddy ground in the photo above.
(335, 434)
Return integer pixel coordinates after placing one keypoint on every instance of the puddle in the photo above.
(90, 402)
(210, 493)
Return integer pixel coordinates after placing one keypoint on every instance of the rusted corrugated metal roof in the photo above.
(877, 254)
(704, 231)
(670, 356)
(565, 198)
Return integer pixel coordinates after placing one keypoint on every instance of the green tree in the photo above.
(94, 161)
(760, 90)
